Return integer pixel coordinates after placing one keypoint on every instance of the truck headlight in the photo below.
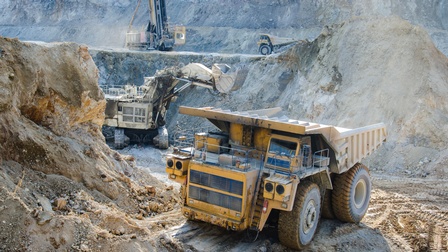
(179, 165)
(280, 189)
(169, 163)
(269, 187)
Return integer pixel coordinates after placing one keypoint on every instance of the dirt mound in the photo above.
(61, 186)
(371, 70)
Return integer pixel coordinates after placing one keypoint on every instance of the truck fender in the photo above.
(323, 179)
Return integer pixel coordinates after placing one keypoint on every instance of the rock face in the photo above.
(42, 95)
(213, 25)
(52, 105)
(120, 68)
(56, 171)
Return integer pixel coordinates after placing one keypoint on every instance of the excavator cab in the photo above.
(179, 35)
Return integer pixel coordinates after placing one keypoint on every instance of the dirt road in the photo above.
(412, 214)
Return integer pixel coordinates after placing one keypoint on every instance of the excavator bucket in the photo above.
(221, 77)
(228, 79)
(223, 82)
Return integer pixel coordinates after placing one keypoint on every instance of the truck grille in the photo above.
(216, 182)
(219, 183)
(215, 198)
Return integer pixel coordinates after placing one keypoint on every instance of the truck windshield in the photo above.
(281, 147)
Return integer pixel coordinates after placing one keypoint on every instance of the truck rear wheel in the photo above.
(351, 194)
(296, 228)
(265, 49)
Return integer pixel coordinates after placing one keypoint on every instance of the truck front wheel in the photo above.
(265, 49)
(351, 194)
(296, 228)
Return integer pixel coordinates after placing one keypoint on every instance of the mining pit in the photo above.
(63, 188)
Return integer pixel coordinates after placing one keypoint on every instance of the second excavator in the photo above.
(157, 34)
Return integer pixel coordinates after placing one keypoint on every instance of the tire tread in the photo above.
(288, 224)
(341, 194)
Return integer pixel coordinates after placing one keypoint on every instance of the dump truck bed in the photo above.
(349, 146)
(280, 40)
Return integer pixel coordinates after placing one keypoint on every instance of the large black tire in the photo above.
(351, 194)
(327, 208)
(296, 228)
(265, 50)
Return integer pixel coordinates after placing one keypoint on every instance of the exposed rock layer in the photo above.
(62, 187)
(213, 25)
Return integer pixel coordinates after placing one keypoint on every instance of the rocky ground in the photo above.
(62, 187)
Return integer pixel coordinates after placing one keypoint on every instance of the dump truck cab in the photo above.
(258, 162)
(264, 43)
(288, 154)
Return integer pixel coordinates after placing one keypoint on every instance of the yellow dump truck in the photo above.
(268, 43)
(259, 164)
